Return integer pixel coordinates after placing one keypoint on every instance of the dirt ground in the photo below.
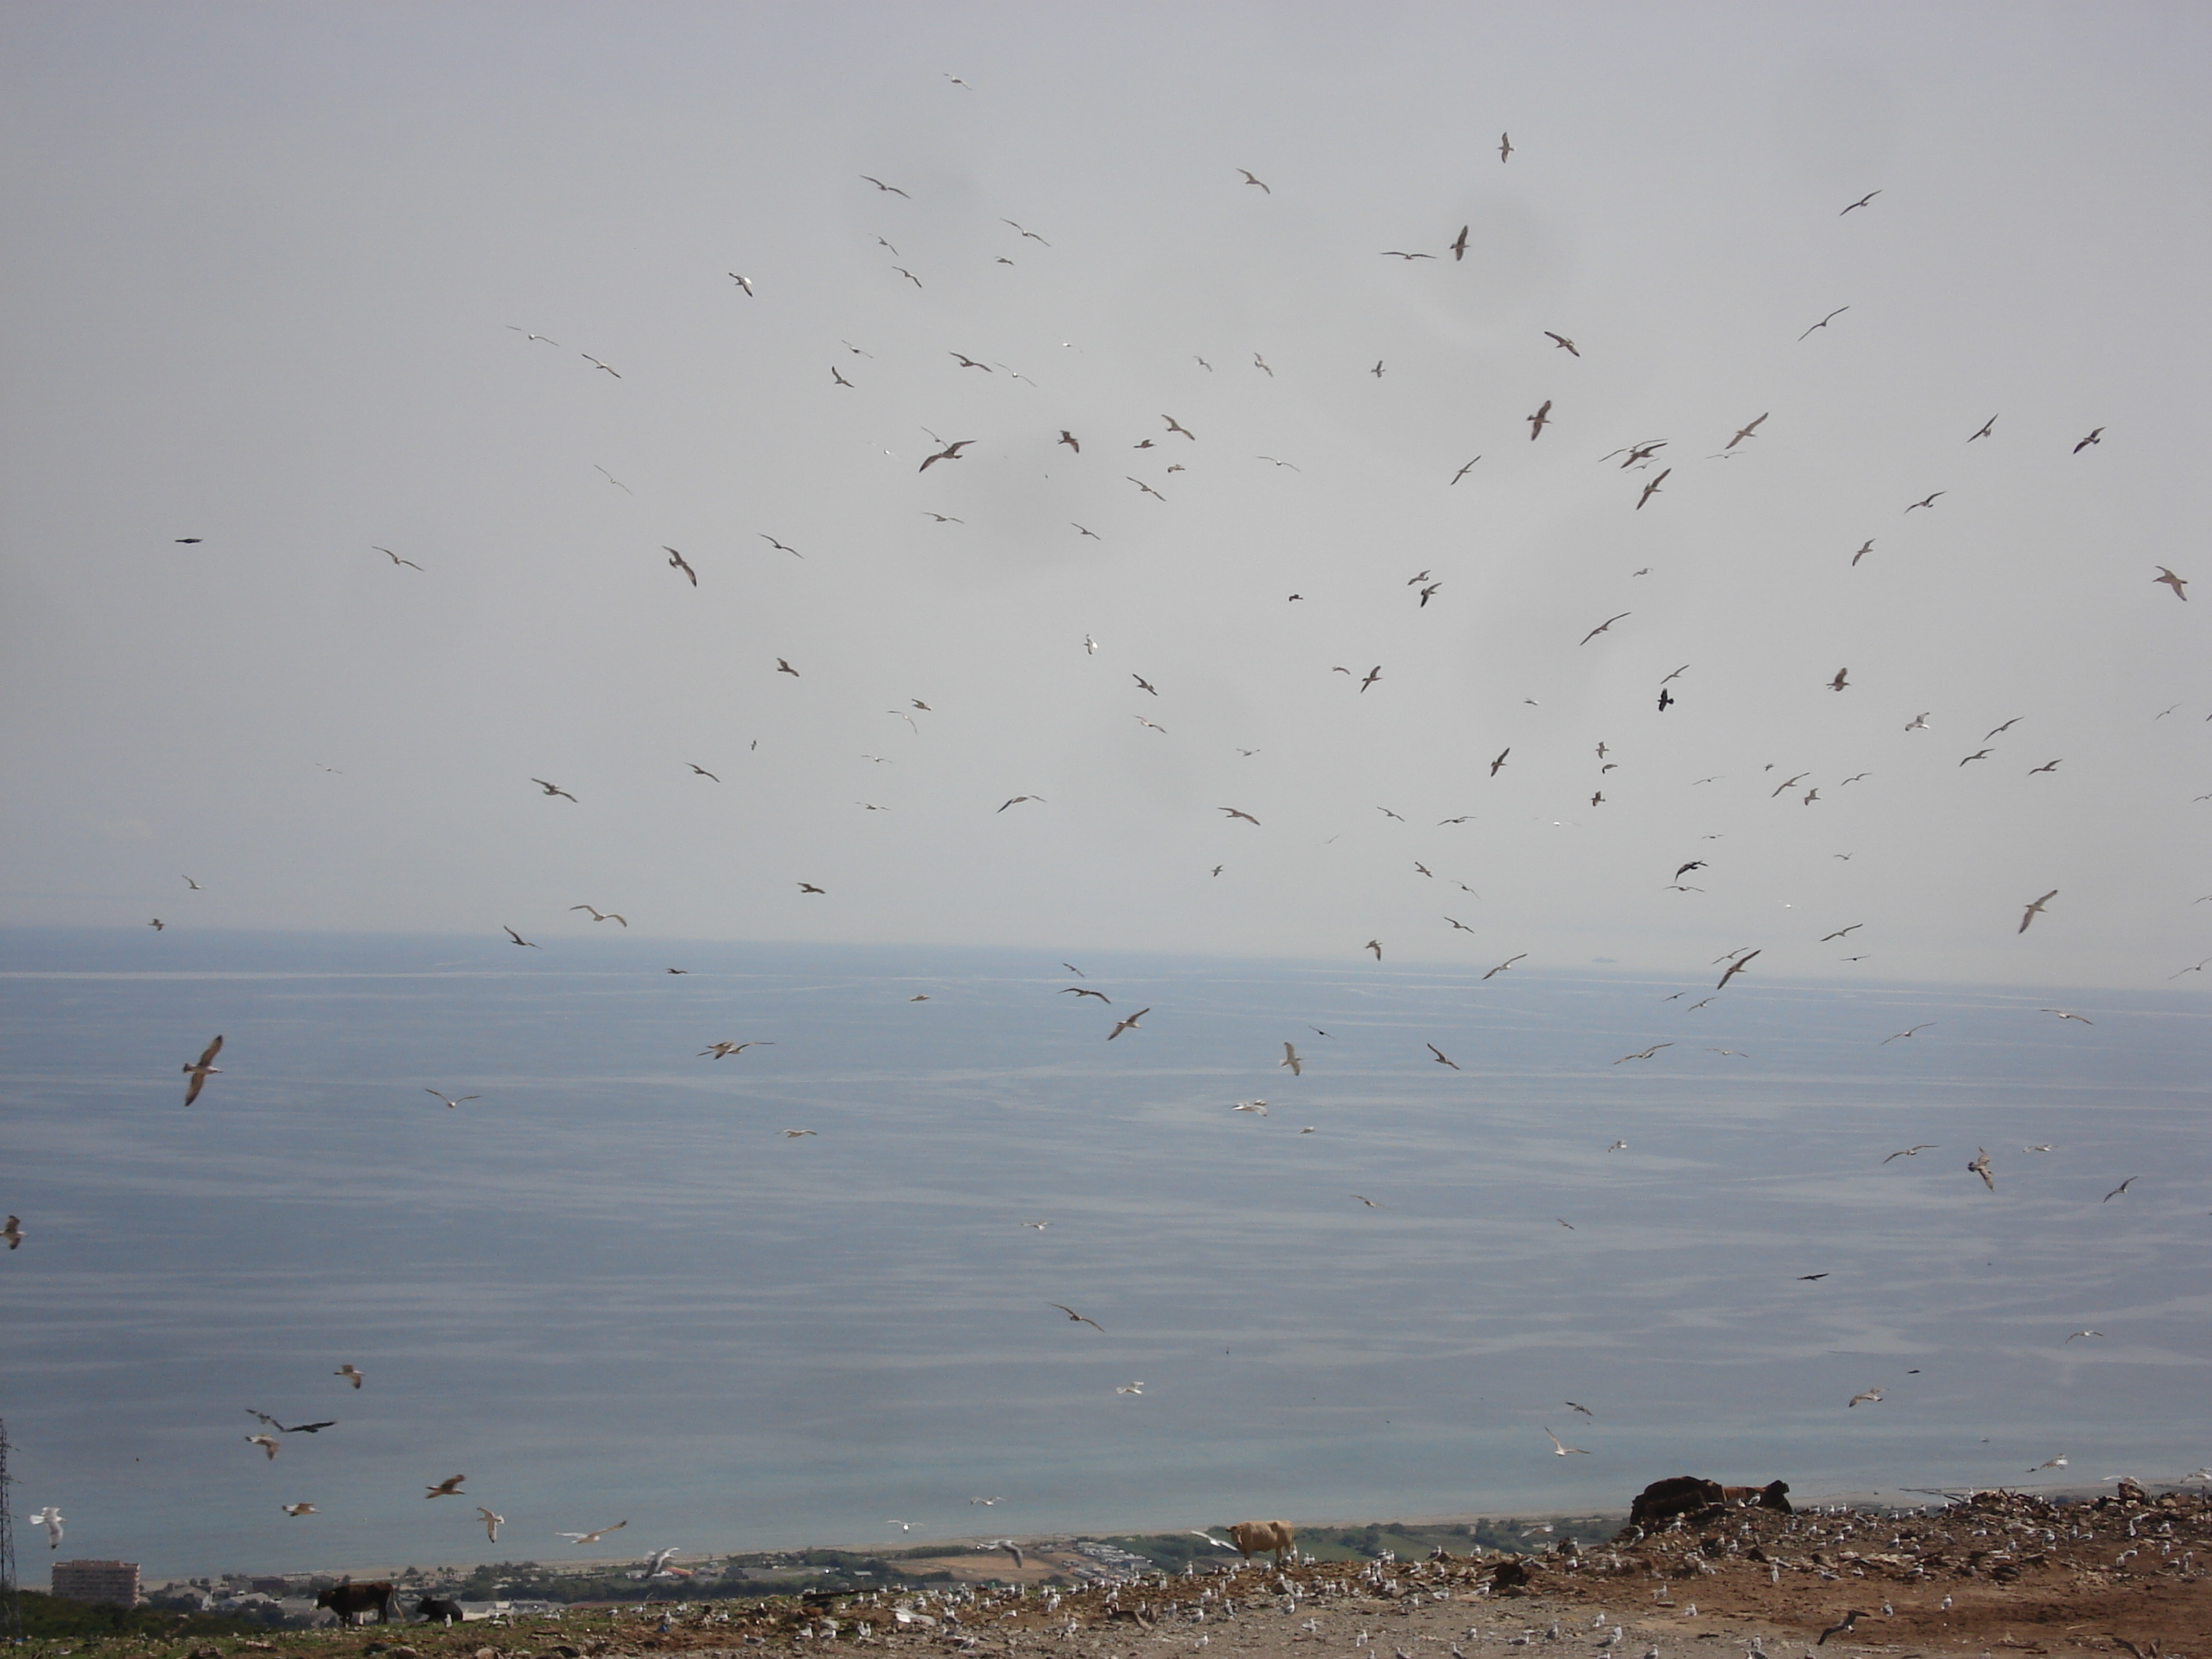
(1998, 1574)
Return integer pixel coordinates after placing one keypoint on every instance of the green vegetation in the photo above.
(48, 1617)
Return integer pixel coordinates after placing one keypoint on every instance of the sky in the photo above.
(275, 272)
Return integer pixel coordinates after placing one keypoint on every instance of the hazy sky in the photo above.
(272, 271)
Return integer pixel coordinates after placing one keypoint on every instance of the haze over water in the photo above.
(612, 1288)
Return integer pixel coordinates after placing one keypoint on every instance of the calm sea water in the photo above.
(612, 1288)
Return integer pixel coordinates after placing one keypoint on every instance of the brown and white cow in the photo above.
(1255, 1537)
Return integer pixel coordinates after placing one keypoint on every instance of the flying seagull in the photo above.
(1464, 470)
(1503, 965)
(950, 452)
(552, 789)
(1862, 202)
(518, 939)
(2096, 437)
(1923, 1026)
(268, 1442)
(1652, 489)
(1980, 1164)
(455, 1104)
(1080, 1319)
(1825, 320)
(1912, 1152)
(352, 1373)
(1561, 1450)
(742, 283)
(880, 185)
(601, 915)
(1247, 817)
(677, 562)
(1128, 1025)
(1459, 244)
(492, 1523)
(1539, 421)
(1505, 145)
(1291, 1058)
(2118, 1190)
(449, 1487)
(199, 1071)
(1928, 502)
(1735, 968)
(1988, 427)
(1563, 343)
(1601, 628)
(395, 558)
(596, 364)
(1443, 1059)
(2036, 908)
(1018, 800)
(2177, 583)
(1645, 1054)
(1750, 431)
(1249, 179)
(591, 1537)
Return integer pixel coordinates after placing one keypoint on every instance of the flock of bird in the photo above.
(1644, 456)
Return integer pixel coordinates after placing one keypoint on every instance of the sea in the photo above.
(804, 1294)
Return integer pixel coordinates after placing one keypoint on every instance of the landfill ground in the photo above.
(1998, 1573)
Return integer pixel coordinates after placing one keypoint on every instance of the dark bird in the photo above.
(1602, 627)
(1128, 1025)
(1373, 674)
(188, 541)
(1069, 438)
(741, 284)
(1652, 489)
(1811, 1278)
(950, 452)
(199, 1071)
(809, 887)
(2177, 583)
(880, 185)
(2035, 910)
(291, 1428)
(1079, 1319)
(1912, 1152)
(1980, 1164)
(1500, 761)
(969, 362)
(395, 558)
(2048, 766)
(778, 546)
(553, 789)
(1459, 244)
(596, 363)
(1018, 800)
(1427, 593)
(1841, 931)
(1563, 343)
(2118, 1190)
(942, 518)
(1750, 431)
(1825, 320)
(1392, 253)
(1844, 1628)
(677, 562)
(1247, 817)
(1144, 684)
(784, 667)
(1440, 1056)
(1378, 370)
(1503, 965)
(1173, 425)
(1093, 534)
(2096, 437)
(1988, 427)
(1464, 470)
(518, 938)
(1084, 991)
(1928, 501)
(904, 272)
(1666, 698)
(1862, 202)
(1840, 681)
(1505, 145)
(1735, 968)
(1249, 179)
(1644, 1054)
(1539, 421)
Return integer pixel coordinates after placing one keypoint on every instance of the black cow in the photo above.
(445, 1611)
(349, 1601)
(1685, 1494)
